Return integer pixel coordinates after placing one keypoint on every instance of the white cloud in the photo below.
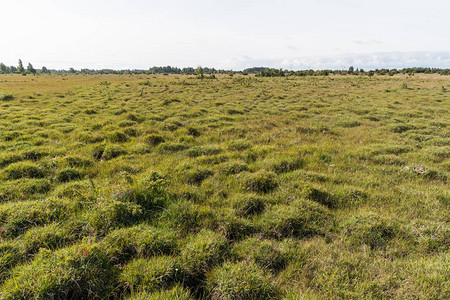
(366, 61)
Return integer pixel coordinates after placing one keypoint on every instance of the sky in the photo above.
(226, 34)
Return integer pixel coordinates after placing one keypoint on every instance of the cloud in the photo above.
(367, 42)
(368, 61)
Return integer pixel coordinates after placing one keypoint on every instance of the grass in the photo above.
(172, 187)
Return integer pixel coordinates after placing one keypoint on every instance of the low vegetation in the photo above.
(278, 186)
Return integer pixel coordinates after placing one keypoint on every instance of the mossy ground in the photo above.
(152, 187)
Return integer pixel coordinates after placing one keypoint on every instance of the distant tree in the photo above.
(20, 67)
(351, 70)
(44, 70)
(199, 72)
(30, 69)
(72, 70)
(3, 68)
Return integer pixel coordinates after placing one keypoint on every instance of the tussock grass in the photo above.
(173, 187)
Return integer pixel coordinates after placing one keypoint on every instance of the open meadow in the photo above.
(235, 187)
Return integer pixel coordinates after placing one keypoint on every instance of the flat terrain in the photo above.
(158, 187)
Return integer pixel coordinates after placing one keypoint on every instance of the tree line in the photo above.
(200, 71)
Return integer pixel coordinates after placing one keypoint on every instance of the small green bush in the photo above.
(261, 182)
(242, 280)
(23, 170)
(150, 274)
(6, 97)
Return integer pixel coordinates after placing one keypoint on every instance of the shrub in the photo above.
(242, 280)
(261, 182)
(80, 271)
(154, 139)
(302, 218)
(150, 274)
(247, 205)
(6, 97)
(23, 170)
(68, 174)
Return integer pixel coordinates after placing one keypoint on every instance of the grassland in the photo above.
(172, 187)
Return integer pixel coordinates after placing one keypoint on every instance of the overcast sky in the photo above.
(227, 34)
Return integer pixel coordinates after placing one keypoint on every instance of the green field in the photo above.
(238, 187)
